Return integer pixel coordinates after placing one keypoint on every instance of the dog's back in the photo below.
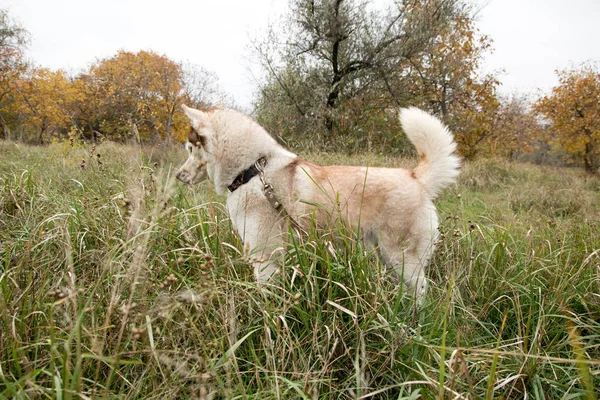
(393, 208)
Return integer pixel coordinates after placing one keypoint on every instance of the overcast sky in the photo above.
(532, 38)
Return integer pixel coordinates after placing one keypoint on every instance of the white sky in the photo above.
(532, 38)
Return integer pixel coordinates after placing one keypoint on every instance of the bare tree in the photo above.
(201, 88)
(336, 49)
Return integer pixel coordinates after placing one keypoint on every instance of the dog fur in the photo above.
(392, 207)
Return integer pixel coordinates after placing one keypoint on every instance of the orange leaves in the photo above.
(43, 100)
(144, 88)
(516, 129)
(573, 111)
(113, 95)
(446, 80)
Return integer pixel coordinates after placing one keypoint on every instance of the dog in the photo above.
(268, 188)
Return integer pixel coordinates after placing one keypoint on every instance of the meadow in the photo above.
(118, 282)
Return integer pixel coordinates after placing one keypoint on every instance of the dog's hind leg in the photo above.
(405, 263)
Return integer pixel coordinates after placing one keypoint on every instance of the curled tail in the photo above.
(439, 166)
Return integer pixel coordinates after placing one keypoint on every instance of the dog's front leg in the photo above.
(263, 270)
(266, 255)
(261, 230)
(264, 248)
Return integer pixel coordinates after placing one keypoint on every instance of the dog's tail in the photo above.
(439, 166)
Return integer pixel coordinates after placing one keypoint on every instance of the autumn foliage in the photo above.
(44, 98)
(130, 96)
(445, 80)
(573, 113)
(143, 89)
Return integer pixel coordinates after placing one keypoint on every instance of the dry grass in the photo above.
(116, 282)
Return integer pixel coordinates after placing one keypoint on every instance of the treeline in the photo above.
(130, 96)
(334, 73)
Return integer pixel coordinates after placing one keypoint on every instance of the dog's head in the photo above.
(223, 143)
(198, 166)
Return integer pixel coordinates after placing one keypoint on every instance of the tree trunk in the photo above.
(334, 92)
(330, 111)
(157, 133)
(588, 162)
(5, 129)
(92, 133)
(168, 127)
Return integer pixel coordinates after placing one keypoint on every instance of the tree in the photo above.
(445, 80)
(13, 39)
(516, 129)
(89, 107)
(135, 89)
(201, 88)
(129, 94)
(473, 119)
(446, 73)
(573, 112)
(336, 51)
(44, 98)
(142, 92)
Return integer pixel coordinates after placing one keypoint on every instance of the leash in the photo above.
(269, 193)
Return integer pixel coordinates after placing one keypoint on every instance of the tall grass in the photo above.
(117, 282)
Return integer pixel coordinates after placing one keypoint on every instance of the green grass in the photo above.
(115, 281)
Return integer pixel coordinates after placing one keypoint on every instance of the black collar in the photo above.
(247, 174)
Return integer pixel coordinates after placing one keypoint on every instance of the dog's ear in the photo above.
(198, 118)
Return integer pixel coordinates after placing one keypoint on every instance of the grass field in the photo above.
(117, 282)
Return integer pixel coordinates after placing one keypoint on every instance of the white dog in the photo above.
(269, 187)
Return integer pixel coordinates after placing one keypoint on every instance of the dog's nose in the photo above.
(181, 175)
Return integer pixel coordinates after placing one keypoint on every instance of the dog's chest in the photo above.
(249, 209)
